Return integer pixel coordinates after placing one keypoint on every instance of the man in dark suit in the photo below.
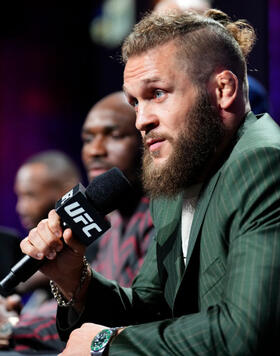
(210, 281)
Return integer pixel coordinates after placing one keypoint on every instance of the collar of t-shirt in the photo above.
(188, 209)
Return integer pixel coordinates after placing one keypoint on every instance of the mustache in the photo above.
(156, 136)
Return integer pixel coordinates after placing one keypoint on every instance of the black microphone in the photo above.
(83, 211)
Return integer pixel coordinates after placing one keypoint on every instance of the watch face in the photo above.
(101, 339)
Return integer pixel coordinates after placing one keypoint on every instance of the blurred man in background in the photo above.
(40, 182)
(110, 139)
(183, 5)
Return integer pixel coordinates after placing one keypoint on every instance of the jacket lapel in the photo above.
(200, 211)
(169, 212)
(185, 297)
(169, 250)
(205, 196)
(169, 240)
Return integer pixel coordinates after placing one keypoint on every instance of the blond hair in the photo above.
(204, 42)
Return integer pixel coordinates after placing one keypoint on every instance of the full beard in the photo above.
(190, 155)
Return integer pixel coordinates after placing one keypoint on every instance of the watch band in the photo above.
(101, 340)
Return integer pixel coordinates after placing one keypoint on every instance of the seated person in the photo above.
(209, 284)
(109, 139)
(40, 182)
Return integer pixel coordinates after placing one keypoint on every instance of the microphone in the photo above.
(83, 211)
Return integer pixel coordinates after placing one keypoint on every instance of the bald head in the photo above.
(182, 5)
(40, 182)
(117, 104)
(110, 138)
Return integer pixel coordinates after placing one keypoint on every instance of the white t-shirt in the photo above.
(188, 209)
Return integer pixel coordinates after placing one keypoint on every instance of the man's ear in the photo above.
(225, 86)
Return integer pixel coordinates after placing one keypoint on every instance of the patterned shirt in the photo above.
(122, 248)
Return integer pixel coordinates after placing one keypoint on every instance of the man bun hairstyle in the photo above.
(203, 42)
(241, 30)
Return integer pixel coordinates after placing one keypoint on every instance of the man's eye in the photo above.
(158, 93)
(86, 139)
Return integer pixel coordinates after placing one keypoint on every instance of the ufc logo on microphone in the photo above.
(78, 214)
(67, 196)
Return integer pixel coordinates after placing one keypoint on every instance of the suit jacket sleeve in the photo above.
(112, 305)
(239, 316)
(245, 318)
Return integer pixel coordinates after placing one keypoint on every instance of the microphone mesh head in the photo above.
(109, 190)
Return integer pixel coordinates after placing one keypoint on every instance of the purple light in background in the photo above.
(274, 58)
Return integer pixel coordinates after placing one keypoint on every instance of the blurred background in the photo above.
(58, 58)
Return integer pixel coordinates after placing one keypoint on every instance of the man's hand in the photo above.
(12, 303)
(64, 261)
(80, 340)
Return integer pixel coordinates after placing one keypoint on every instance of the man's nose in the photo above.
(98, 146)
(21, 205)
(146, 119)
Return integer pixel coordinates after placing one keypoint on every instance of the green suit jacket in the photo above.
(226, 300)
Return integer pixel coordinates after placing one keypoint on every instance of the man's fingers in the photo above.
(46, 239)
(73, 243)
(52, 240)
(54, 223)
(41, 242)
(30, 250)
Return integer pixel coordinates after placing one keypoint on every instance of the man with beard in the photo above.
(210, 281)
(110, 139)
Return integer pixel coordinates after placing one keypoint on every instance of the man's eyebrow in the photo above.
(143, 82)
(106, 128)
(151, 80)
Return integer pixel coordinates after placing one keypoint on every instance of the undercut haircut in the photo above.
(204, 42)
